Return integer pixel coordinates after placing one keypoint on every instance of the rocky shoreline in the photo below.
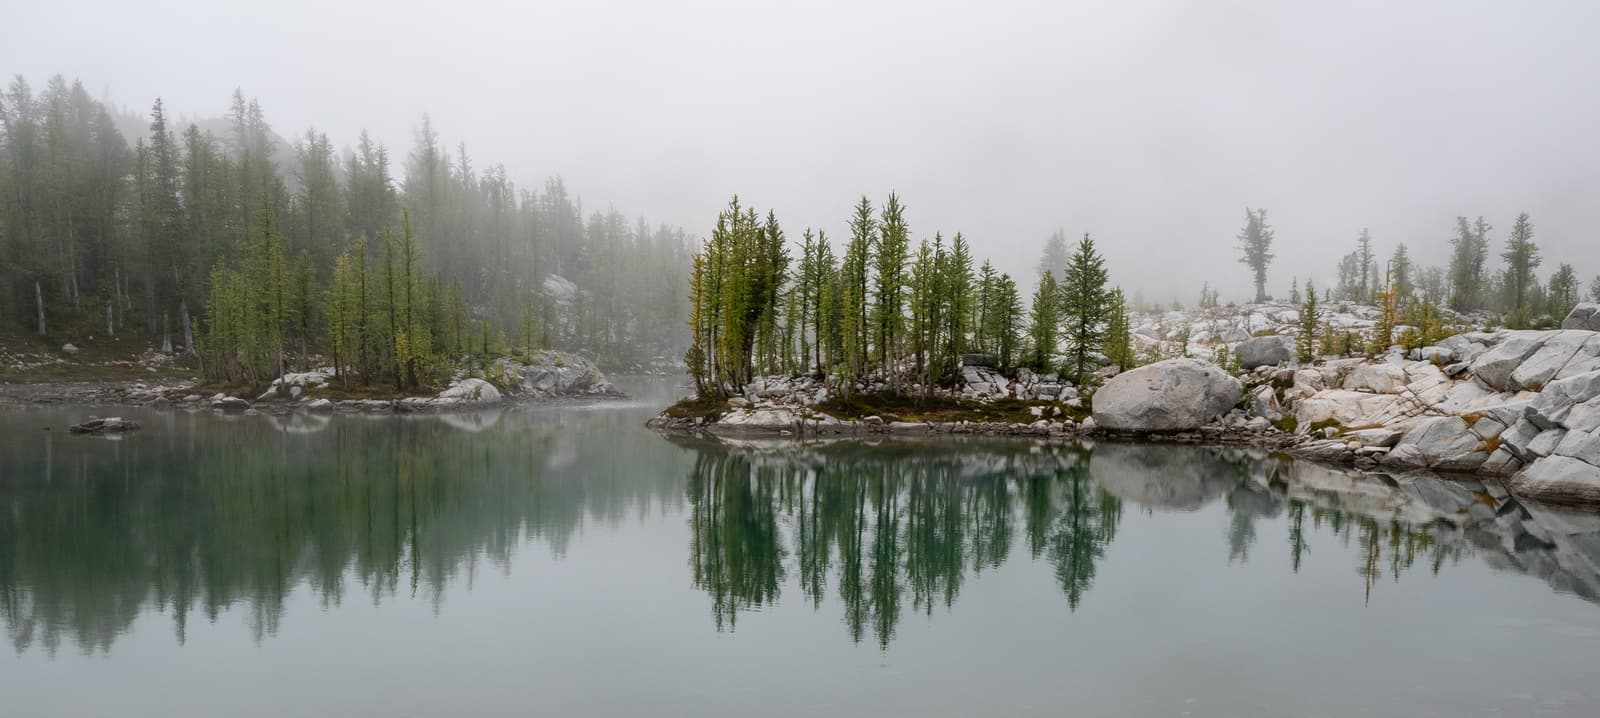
(1521, 405)
(546, 376)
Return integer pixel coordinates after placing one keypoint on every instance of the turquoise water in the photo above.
(566, 561)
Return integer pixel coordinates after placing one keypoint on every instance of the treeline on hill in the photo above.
(884, 309)
(1467, 283)
(263, 260)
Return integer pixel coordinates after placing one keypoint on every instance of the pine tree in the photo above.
(1522, 257)
(888, 300)
(1042, 327)
(1468, 259)
(1084, 306)
(1310, 316)
(1255, 247)
(1403, 273)
(1054, 259)
(1563, 291)
(1388, 317)
(854, 302)
(1367, 265)
(1007, 320)
(1119, 335)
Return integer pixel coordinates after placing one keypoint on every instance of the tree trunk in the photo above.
(188, 333)
(166, 334)
(38, 300)
(111, 327)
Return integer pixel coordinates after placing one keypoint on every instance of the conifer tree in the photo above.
(1563, 291)
(854, 302)
(1468, 260)
(1007, 318)
(1310, 317)
(1255, 247)
(1042, 327)
(1522, 257)
(1084, 306)
(1119, 336)
(888, 300)
(1403, 273)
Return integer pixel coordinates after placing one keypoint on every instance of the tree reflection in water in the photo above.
(902, 523)
(201, 516)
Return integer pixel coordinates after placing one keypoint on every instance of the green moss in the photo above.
(1317, 427)
(1288, 424)
(698, 408)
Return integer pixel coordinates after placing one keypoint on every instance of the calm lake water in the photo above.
(565, 561)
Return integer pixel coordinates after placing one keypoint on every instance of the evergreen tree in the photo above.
(1255, 247)
(1563, 291)
(1310, 317)
(1119, 335)
(854, 302)
(1522, 257)
(1007, 320)
(1368, 267)
(1054, 258)
(1468, 261)
(1084, 306)
(1401, 271)
(888, 299)
(1042, 327)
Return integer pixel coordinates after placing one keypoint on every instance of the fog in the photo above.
(1151, 125)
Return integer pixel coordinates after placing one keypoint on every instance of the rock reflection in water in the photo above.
(904, 523)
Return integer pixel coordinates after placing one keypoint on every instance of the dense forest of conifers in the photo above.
(256, 255)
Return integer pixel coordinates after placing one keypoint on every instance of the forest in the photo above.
(254, 254)
(882, 308)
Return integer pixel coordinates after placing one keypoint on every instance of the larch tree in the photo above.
(888, 300)
(1043, 323)
(1083, 299)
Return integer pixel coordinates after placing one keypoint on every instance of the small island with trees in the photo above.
(1455, 369)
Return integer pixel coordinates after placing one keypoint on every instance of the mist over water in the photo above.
(1152, 125)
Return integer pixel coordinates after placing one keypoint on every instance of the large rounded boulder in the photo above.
(1265, 351)
(1171, 395)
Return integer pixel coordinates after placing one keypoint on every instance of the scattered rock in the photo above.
(1265, 351)
(229, 403)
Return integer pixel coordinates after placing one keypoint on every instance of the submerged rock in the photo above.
(229, 403)
(1171, 395)
(108, 425)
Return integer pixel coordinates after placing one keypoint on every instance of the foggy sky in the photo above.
(1151, 125)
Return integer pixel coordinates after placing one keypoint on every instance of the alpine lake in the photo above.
(564, 560)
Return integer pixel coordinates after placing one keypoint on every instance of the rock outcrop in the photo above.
(1583, 316)
(1523, 404)
(1171, 395)
(1265, 351)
